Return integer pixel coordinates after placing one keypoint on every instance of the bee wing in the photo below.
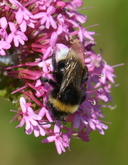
(69, 76)
(73, 71)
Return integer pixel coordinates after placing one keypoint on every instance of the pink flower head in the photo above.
(3, 27)
(61, 139)
(23, 16)
(17, 36)
(29, 118)
(46, 17)
(4, 45)
(34, 35)
(3, 23)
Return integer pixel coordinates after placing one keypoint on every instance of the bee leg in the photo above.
(50, 81)
(85, 77)
(47, 122)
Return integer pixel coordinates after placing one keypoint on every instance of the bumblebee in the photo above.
(69, 73)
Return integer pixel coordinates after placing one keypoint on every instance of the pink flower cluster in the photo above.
(31, 31)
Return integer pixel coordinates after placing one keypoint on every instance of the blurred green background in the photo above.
(17, 148)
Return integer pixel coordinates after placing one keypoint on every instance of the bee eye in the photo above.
(61, 66)
(61, 69)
